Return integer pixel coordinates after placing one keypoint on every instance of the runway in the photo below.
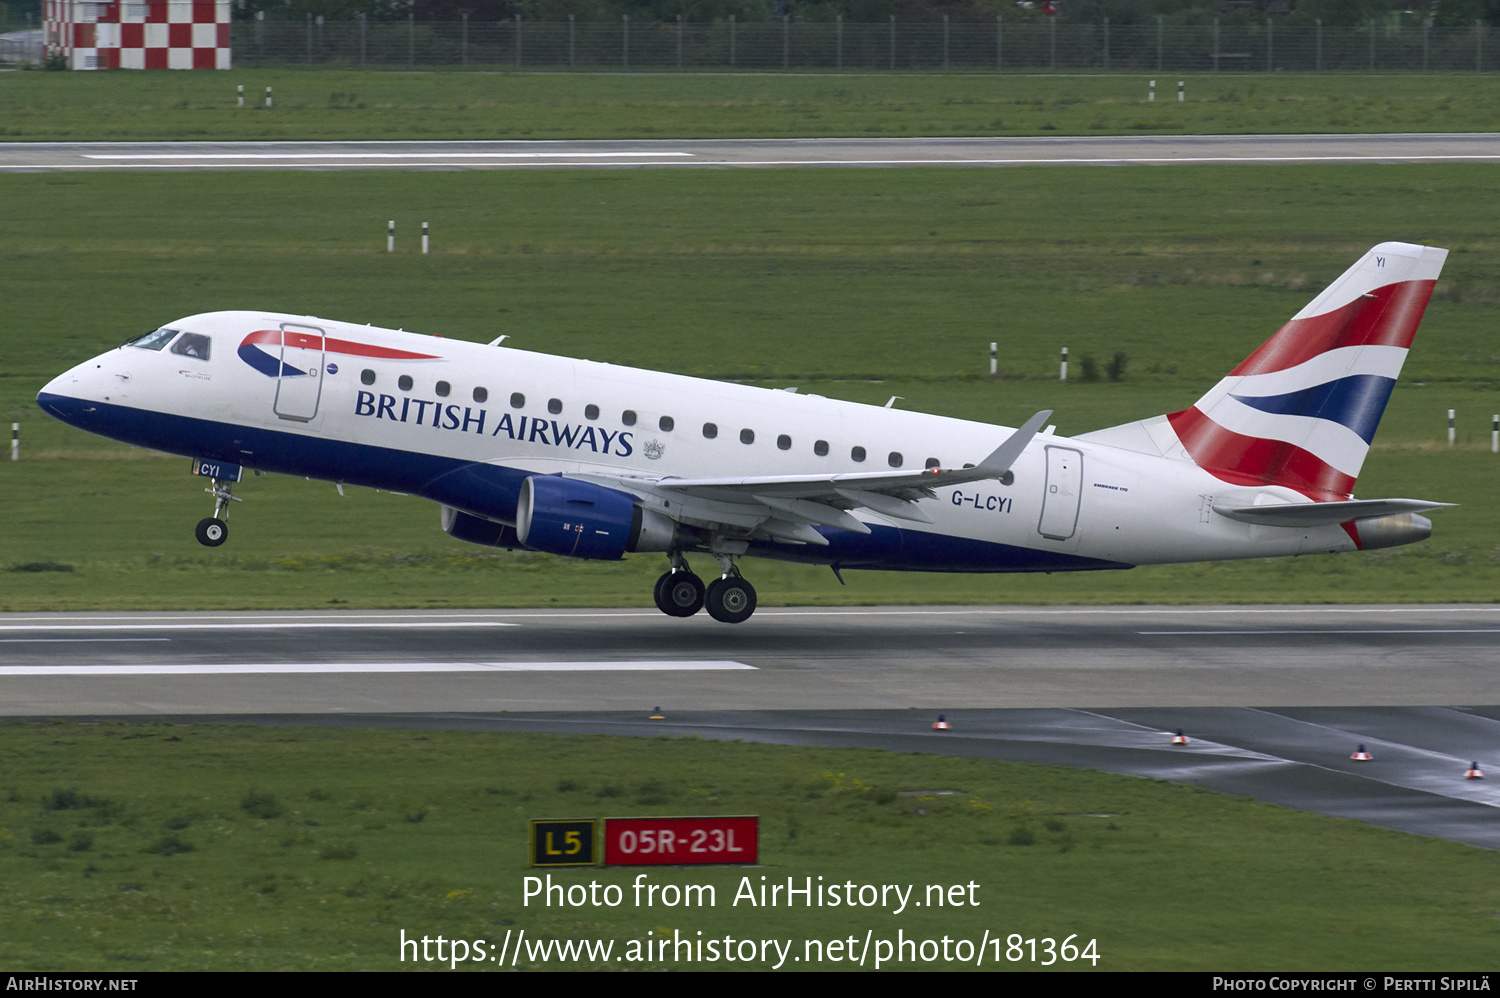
(46, 157)
(1273, 699)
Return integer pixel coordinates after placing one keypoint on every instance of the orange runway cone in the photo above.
(1361, 755)
(941, 724)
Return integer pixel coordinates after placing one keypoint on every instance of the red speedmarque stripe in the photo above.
(1387, 316)
(332, 345)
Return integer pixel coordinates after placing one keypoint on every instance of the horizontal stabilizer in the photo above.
(1320, 514)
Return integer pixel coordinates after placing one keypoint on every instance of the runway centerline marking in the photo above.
(76, 641)
(367, 668)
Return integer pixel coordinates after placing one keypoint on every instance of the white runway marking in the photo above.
(1325, 630)
(368, 668)
(378, 155)
(75, 641)
(233, 625)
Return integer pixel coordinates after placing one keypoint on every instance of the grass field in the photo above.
(329, 104)
(314, 848)
(855, 284)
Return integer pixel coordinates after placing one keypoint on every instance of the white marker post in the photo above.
(1450, 427)
(424, 239)
(1151, 93)
(268, 98)
(15, 441)
(241, 98)
(390, 236)
(1180, 96)
(1062, 374)
(1495, 433)
(994, 358)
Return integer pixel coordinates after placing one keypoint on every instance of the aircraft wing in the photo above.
(789, 507)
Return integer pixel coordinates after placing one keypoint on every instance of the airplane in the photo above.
(594, 460)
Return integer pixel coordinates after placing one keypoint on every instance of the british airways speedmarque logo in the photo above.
(271, 363)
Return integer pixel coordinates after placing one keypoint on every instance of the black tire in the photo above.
(730, 600)
(212, 532)
(679, 594)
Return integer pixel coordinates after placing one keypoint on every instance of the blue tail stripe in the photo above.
(1357, 402)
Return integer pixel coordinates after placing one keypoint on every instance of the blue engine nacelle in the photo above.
(582, 520)
(477, 530)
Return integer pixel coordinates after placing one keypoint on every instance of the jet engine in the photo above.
(477, 530)
(1392, 531)
(582, 520)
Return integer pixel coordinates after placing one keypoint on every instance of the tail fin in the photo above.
(1301, 410)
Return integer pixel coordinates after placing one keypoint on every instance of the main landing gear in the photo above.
(212, 530)
(729, 598)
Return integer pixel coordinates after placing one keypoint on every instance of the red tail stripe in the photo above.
(1387, 316)
(312, 341)
(1241, 460)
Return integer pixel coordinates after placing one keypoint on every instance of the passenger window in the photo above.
(628, 417)
(591, 412)
(481, 395)
(517, 400)
(554, 406)
(894, 459)
(191, 345)
(933, 462)
(154, 340)
(367, 377)
(443, 388)
(666, 423)
(821, 448)
(404, 382)
(857, 454)
(710, 430)
(784, 442)
(747, 436)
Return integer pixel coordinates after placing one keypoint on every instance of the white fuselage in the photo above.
(473, 421)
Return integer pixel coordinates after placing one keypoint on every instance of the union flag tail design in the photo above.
(1301, 410)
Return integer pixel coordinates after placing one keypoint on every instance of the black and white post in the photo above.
(1495, 433)
(390, 236)
(1450, 428)
(1181, 96)
(241, 95)
(425, 244)
(1151, 93)
(994, 358)
(1062, 374)
(15, 441)
(268, 98)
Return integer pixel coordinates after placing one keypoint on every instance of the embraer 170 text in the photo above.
(592, 460)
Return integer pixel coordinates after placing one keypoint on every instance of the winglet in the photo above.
(1000, 460)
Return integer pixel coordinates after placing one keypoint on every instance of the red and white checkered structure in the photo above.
(138, 34)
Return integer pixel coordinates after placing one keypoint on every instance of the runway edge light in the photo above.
(1360, 755)
(941, 724)
(1179, 738)
(1474, 772)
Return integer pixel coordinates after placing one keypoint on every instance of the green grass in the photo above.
(341, 104)
(854, 284)
(181, 847)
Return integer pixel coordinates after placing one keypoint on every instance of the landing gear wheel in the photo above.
(212, 531)
(730, 600)
(679, 594)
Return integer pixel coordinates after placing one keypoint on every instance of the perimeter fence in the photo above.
(789, 44)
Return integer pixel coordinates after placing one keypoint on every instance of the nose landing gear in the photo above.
(212, 530)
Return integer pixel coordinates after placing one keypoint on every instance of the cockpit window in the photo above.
(192, 345)
(154, 340)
